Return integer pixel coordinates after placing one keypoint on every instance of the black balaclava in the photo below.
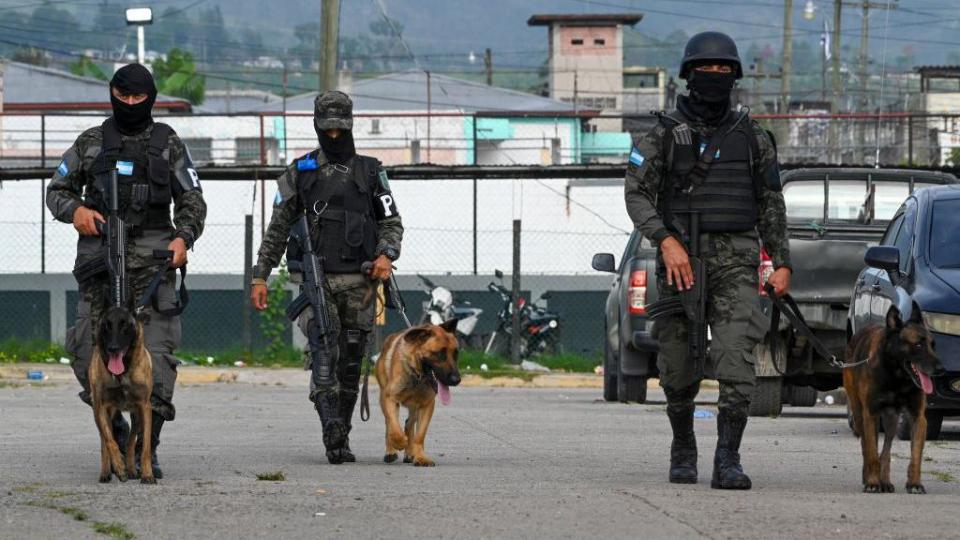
(709, 97)
(133, 79)
(338, 150)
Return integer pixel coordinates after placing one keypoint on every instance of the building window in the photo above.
(375, 126)
(577, 41)
(555, 151)
(248, 149)
(599, 42)
(200, 149)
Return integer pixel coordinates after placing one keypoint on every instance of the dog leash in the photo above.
(788, 306)
(150, 294)
(402, 308)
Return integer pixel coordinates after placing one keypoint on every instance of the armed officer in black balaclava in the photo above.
(154, 170)
(706, 158)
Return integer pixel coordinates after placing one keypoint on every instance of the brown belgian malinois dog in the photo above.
(896, 377)
(415, 367)
(121, 379)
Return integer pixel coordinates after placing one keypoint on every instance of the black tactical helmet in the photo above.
(710, 46)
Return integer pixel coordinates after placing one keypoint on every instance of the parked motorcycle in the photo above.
(440, 307)
(539, 328)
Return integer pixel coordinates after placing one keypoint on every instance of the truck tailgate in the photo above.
(825, 269)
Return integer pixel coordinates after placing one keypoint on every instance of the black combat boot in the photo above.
(156, 425)
(727, 472)
(348, 400)
(334, 430)
(683, 448)
(121, 431)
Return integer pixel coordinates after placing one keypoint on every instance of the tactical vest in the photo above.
(143, 177)
(340, 208)
(727, 197)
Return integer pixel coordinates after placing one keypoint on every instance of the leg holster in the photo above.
(353, 345)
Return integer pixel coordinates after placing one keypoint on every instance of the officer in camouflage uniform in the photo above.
(353, 219)
(154, 170)
(738, 198)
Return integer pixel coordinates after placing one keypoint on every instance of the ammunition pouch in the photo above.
(90, 269)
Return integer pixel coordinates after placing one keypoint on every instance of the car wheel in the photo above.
(610, 370)
(802, 396)
(767, 400)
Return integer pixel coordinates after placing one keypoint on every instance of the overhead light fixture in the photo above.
(809, 10)
(139, 16)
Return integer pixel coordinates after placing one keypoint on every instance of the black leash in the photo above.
(788, 306)
(150, 294)
(402, 308)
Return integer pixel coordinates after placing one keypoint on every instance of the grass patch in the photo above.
(115, 530)
(34, 351)
(471, 360)
(281, 357)
(75, 513)
(10, 384)
(28, 488)
(277, 476)
(942, 476)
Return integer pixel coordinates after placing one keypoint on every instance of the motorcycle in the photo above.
(539, 328)
(440, 307)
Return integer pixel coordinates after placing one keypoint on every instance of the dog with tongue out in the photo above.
(895, 366)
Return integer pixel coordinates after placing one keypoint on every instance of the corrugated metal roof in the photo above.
(407, 91)
(36, 85)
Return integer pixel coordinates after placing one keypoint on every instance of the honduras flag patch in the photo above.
(62, 170)
(307, 164)
(703, 148)
(278, 199)
(636, 158)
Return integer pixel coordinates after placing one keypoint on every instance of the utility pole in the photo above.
(835, 54)
(864, 43)
(488, 66)
(787, 56)
(329, 39)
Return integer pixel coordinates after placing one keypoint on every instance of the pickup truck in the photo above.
(833, 215)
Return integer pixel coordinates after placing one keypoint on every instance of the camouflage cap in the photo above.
(333, 110)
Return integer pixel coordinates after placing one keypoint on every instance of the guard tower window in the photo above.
(576, 41)
(599, 42)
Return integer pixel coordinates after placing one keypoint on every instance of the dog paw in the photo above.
(105, 478)
(407, 458)
(887, 488)
(389, 458)
(423, 461)
(122, 476)
(148, 480)
(916, 489)
(871, 488)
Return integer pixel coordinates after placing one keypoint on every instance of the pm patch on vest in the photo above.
(386, 207)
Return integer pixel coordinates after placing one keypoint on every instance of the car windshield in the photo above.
(944, 240)
(848, 200)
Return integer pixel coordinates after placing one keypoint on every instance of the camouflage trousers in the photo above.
(737, 325)
(351, 304)
(161, 334)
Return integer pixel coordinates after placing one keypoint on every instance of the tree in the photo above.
(307, 48)
(177, 76)
(85, 67)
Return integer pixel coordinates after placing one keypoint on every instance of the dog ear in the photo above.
(894, 322)
(417, 336)
(450, 326)
(915, 315)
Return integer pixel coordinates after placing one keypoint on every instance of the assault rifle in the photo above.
(313, 297)
(113, 235)
(693, 302)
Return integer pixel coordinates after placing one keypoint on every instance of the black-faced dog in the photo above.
(416, 366)
(121, 379)
(896, 377)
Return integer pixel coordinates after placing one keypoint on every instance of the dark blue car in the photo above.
(917, 267)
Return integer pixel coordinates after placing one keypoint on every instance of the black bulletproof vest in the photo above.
(338, 200)
(727, 198)
(143, 177)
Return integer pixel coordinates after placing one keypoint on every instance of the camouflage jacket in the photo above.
(644, 182)
(287, 208)
(71, 179)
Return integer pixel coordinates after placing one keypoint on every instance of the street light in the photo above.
(140, 17)
(809, 10)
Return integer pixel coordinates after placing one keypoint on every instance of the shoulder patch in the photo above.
(278, 200)
(384, 182)
(636, 158)
(307, 164)
(63, 169)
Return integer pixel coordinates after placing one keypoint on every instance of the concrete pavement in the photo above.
(513, 463)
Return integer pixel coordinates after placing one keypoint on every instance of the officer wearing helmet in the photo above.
(706, 158)
(352, 211)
